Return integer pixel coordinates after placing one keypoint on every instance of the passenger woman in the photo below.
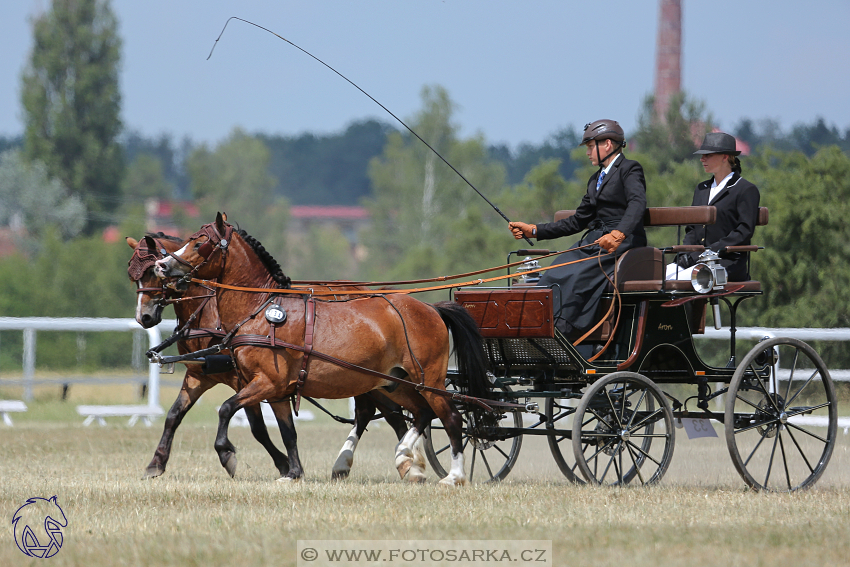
(611, 212)
(737, 203)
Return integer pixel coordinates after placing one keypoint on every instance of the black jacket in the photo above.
(620, 204)
(737, 214)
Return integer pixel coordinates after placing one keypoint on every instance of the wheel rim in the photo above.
(623, 431)
(491, 458)
(781, 416)
(560, 414)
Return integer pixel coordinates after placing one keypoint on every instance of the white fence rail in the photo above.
(29, 326)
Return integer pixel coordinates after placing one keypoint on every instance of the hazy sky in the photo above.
(518, 70)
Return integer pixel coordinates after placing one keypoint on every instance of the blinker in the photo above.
(206, 249)
(275, 314)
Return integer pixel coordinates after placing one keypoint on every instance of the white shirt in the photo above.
(717, 188)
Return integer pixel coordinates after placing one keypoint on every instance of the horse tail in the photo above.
(468, 345)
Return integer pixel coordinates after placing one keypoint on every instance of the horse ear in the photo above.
(131, 242)
(224, 216)
(220, 219)
(150, 242)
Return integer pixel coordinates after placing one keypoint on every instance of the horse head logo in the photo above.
(38, 527)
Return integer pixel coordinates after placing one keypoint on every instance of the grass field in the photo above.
(196, 515)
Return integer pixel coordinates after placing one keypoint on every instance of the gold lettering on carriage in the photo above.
(663, 327)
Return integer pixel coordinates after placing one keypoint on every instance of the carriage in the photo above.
(610, 417)
(609, 403)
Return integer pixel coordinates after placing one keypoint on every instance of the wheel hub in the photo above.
(767, 411)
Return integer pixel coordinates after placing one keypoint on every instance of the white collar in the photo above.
(607, 170)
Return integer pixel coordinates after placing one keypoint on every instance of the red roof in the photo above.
(331, 212)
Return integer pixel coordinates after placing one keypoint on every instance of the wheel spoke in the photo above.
(752, 426)
(487, 464)
(499, 449)
(770, 462)
(767, 392)
(807, 432)
(634, 461)
(753, 452)
(800, 449)
(645, 454)
(443, 449)
(791, 377)
(784, 460)
(635, 412)
(472, 465)
(748, 402)
(610, 461)
(613, 410)
(808, 409)
(647, 418)
(803, 387)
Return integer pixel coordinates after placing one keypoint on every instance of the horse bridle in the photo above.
(215, 241)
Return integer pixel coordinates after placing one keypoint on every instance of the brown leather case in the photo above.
(510, 313)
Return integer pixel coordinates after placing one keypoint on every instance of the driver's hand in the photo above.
(611, 241)
(521, 229)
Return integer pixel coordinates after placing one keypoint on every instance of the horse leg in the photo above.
(409, 456)
(453, 423)
(186, 398)
(254, 414)
(225, 449)
(286, 424)
(364, 410)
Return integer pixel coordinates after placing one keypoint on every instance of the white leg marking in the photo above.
(456, 476)
(404, 451)
(417, 466)
(345, 459)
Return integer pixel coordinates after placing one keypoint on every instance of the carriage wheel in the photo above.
(492, 459)
(559, 415)
(781, 416)
(623, 430)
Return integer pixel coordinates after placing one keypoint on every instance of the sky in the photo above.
(517, 70)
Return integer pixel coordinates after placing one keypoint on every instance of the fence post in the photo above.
(29, 362)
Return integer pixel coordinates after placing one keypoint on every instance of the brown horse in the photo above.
(394, 335)
(195, 302)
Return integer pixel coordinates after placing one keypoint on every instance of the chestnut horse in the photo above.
(198, 303)
(393, 336)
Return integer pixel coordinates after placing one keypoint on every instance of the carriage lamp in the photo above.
(526, 272)
(708, 274)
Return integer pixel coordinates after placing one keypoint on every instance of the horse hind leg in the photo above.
(286, 424)
(254, 414)
(225, 449)
(410, 456)
(453, 424)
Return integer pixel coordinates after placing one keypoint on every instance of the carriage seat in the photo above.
(642, 269)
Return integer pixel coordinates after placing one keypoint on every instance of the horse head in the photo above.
(197, 256)
(151, 290)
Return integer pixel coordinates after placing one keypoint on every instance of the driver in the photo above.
(611, 212)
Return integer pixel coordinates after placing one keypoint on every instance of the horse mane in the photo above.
(267, 259)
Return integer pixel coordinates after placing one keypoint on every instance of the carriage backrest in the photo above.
(678, 216)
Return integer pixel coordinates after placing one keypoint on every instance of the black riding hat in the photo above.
(718, 143)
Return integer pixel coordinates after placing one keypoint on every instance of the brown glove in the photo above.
(611, 241)
(521, 229)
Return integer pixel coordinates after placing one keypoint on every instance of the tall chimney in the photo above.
(668, 73)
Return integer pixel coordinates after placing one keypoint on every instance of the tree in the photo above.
(32, 202)
(234, 178)
(72, 102)
(674, 137)
(419, 204)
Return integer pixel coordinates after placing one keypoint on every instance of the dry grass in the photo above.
(196, 515)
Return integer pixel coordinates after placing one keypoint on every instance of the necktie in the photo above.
(599, 180)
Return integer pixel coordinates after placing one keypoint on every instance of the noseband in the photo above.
(215, 241)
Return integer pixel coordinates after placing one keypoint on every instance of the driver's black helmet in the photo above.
(603, 130)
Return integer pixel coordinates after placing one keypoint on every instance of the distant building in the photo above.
(348, 220)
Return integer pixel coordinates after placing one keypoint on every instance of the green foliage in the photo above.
(145, 180)
(234, 178)
(805, 266)
(674, 138)
(72, 102)
(34, 202)
(419, 205)
(558, 146)
(326, 170)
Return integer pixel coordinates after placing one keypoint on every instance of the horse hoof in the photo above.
(452, 482)
(153, 472)
(230, 465)
(416, 477)
(289, 479)
(404, 467)
(339, 475)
